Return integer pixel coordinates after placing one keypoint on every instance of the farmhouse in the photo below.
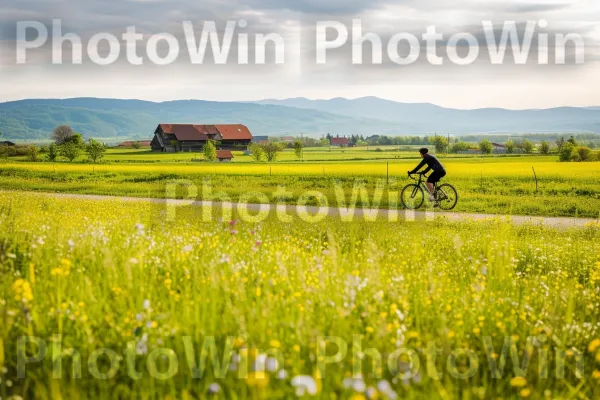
(172, 138)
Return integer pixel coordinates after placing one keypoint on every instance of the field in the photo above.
(500, 185)
(291, 307)
(116, 300)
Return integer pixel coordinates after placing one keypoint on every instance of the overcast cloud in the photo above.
(473, 86)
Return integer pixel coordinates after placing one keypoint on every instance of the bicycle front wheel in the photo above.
(412, 197)
(447, 197)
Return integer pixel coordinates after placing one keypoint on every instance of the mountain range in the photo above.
(106, 118)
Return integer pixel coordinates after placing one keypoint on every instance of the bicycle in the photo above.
(413, 195)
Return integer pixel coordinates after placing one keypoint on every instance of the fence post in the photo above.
(388, 173)
(536, 180)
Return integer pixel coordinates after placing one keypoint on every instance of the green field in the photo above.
(139, 300)
(500, 185)
(117, 279)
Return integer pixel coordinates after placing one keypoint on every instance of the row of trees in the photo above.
(67, 144)
(268, 151)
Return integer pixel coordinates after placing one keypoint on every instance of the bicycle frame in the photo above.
(421, 184)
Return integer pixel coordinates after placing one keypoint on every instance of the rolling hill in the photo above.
(105, 118)
(35, 119)
(427, 117)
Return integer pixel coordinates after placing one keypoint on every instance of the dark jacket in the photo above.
(432, 164)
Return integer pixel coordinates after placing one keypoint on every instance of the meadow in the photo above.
(454, 310)
(500, 185)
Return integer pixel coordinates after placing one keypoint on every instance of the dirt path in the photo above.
(358, 213)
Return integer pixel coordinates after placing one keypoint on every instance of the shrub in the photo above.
(256, 152)
(52, 152)
(544, 147)
(486, 146)
(210, 151)
(510, 147)
(565, 152)
(95, 150)
(459, 146)
(583, 153)
(33, 153)
(70, 151)
(136, 145)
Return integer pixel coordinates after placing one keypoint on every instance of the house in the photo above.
(498, 148)
(287, 139)
(7, 143)
(131, 143)
(341, 142)
(172, 138)
(224, 155)
(260, 139)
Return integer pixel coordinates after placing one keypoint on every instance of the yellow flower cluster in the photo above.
(63, 270)
(22, 290)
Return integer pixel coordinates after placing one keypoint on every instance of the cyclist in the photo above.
(432, 164)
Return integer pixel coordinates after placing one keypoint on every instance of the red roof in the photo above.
(234, 132)
(224, 154)
(339, 141)
(191, 132)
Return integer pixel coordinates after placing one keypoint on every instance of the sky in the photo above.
(479, 84)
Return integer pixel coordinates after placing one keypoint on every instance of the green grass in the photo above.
(102, 274)
(501, 185)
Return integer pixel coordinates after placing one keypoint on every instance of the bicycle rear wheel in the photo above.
(447, 197)
(412, 197)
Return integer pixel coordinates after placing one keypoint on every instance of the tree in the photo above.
(271, 149)
(70, 151)
(95, 150)
(544, 147)
(324, 142)
(440, 143)
(572, 141)
(527, 146)
(510, 147)
(4, 151)
(32, 153)
(459, 146)
(60, 134)
(52, 152)
(485, 146)
(582, 153)
(136, 145)
(210, 151)
(298, 148)
(76, 139)
(256, 152)
(565, 152)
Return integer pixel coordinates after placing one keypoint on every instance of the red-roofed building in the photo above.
(224, 155)
(339, 141)
(191, 137)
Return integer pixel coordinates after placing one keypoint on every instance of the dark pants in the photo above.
(435, 176)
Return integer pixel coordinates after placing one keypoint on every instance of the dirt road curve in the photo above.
(359, 213)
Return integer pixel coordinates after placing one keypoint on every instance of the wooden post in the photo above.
(388, 173)
(536, 180)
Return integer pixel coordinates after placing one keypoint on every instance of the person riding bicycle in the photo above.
(432, 164)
